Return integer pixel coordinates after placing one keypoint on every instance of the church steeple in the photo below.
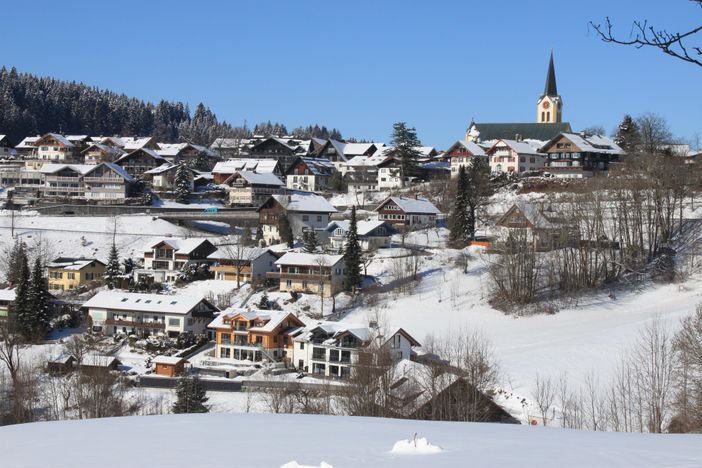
(549, 108)
(550, 88)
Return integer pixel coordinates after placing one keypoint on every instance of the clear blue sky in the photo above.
(362, 65)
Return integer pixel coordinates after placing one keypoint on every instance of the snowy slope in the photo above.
(271, 441)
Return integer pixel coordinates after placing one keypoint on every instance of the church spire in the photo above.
(550, 88)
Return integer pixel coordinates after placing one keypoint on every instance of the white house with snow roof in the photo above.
(332, 349)
(310, 273)
(516, 156)
(114, 312)
(165, 259)
(372, 234)
(163, 177)
(462, 154)
(251, 188)
(303, 211)
(408, 212)
(223, 170)
(577, 156)
(56, 148)
(107, 182)
(310, 174)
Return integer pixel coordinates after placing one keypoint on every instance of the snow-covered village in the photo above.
(512, 278)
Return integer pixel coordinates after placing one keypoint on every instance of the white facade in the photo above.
(389, 178)
(513, 156)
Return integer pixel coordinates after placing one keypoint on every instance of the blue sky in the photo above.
(362, 65)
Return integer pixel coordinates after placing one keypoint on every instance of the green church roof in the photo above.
(509, 131)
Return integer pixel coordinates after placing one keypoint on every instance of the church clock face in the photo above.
(546, 104)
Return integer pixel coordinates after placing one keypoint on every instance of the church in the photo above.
(549, 119)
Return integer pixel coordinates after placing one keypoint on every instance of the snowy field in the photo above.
(246, 440)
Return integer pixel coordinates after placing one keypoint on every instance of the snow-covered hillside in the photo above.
(255, 441)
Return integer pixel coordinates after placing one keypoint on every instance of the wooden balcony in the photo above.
(297, 276)
(136, 324)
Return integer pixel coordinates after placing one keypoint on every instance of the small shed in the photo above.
(98, 363)
(61, 364)
(169, 366)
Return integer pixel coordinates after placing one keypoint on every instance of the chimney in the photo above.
(518, 137)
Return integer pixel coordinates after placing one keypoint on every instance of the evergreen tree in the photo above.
(191, 396)
(285, 230)
(259, 236)
(406, 144)
(476, 193)
(39, 302)
(352, 255)
(263, 303)
(21, 309)
(182, 184)
(246, 239)
(310, 241)
(17, 255)
(459, 214)
(112, 268)
(628, 136)
(128, 265)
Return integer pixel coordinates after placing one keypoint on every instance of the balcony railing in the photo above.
(136, 324)
(298, 276)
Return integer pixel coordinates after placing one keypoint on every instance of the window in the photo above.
(55, 275)
(71, 275)
(173, 322)
(89, 276)
(288, 283)
(319, 218)
(302, 345)
(305, 218)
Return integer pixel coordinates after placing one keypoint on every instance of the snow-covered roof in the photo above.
(113, 150)
(533, 214)
(165, 167)
(181, 246)
(334, 330)
(305, 202)
(412, 205)
(272, 318)
(308, 259)
(28, 142)
(60, 138)
(414, 384)
(242, 164)
(362, 227)
(119, 170)
(72, 263)
(134, 143)
(168, 360)
(7, 294)
(318, 166)
(50, 168)
(473, 148)
(234, 252)
(522, 146)
(171, 149)
(355, 149)
(98, 360)
(591, 143)
(115, 300)
(265, 178)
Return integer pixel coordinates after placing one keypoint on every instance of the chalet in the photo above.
(426, 392)
(250, 188)
(165, 259)
(372, 235)
(390, 174)
(27, 147)
(310, 174)
(303, 211)
(53, 147)
(242, 264)
(515, 156)
(169, 366)
(408, 212)
(108, 182)
(63, 180)
(7, 150)
(462, 153)
(283, 150)
(339, 153)
(332, 349)
(162, 178)
(223, 170)
(140, 160)
(577, 156)
(194, 155)
(130, 144)
(310, 273)
(545, 229)
(114, 312)
(254, 335)
(98, 153)
(68, 274)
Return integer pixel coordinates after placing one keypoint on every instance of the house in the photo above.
(169, 366)
(250, 188)
(7, 150)
(303, 211)
(140, 160)
(60, 364)
(242, 264)
(114, 312)
(223, 170)
(310, 174)
(254, 335)
(130, 144)
(332, 349)
(577, 156)
(63, 180)
(390, 174)
(54, 148)
(425, 392)
(372, 234)
(96, 364)
(284, 150)
(108, 181)
(545, 228)
(26, 148)
(68, 274)
(462, 153)
(98, 153)
(162, 178)
(516, 156)
(310, 273)
(193, 155)
(7, 298)
(164, 260)
(408, 212)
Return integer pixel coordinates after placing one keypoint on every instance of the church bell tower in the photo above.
(549, 108)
